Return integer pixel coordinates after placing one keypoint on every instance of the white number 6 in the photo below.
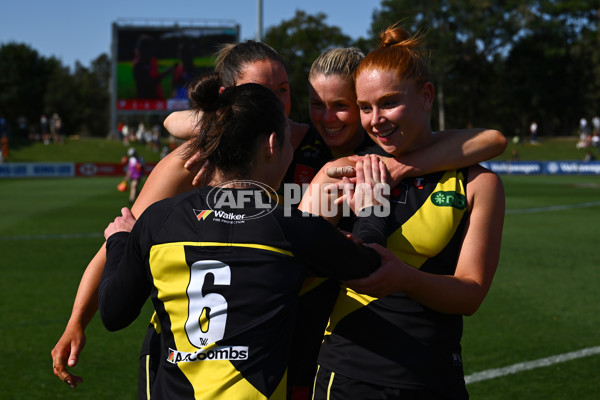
(208, 311)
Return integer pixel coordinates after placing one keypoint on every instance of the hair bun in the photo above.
(396, 36)
(204, 92)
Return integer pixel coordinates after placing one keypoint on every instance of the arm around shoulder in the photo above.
(450, 150)
(182, 124)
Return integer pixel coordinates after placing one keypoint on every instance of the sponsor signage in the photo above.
(38, 170)
(64, 169)
(69, 169)
(544, 167)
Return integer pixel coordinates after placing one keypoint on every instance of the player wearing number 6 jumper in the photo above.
(224, 264)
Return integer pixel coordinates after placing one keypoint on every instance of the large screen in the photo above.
(154, 64)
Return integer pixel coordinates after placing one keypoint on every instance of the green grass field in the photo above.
(544, 301)
(85, 149)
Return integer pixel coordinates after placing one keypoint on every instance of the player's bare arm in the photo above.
(463, 292)
(182, 124)
(167, 179)
(450, 149)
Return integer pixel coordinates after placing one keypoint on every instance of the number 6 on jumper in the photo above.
(208, 311)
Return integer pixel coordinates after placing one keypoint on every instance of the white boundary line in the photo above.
(526, 366)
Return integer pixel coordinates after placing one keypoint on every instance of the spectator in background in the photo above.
(125, 134)
(596, 140)
(45, 129)
(56, 128)
(585, 140)
(533, 132)
(583, 126)
(596, 124)
(589, 156)
(515, 155)
(155, 138)
(120, 126)
(135, 171)
(139, 134)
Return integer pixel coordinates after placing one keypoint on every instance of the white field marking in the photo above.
(553, 208)
(53, 236)
(526, 366)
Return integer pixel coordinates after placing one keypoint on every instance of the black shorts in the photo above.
(332, 386)
(149, 361)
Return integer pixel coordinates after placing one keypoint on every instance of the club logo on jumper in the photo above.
(202, 214)
(239, 201)
(212, 354)
(449, 199)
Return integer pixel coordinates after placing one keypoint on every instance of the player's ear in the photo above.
(427, 93)
(271, 144)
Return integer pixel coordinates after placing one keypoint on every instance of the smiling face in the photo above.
(272, 75)
(334, 113)
(394, 113)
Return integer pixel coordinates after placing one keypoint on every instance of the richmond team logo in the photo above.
(239, 200)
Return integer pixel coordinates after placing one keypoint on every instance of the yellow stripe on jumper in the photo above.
(223, 244)
(431, 228)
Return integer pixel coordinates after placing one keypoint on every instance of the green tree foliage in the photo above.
(299, 41)
(93, 87)
(33, 85)
(495, 63)
(504, 63)
(463, 36)
(23, 79)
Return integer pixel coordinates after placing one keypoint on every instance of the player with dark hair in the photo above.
(244, 63)
(224, 276)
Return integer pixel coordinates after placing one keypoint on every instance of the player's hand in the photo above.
(368, 188)
(340, 172)
(345, 171)
(120, 224)
(66, 352)
(193, 164)
(387, 279)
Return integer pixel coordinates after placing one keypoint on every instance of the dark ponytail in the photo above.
(233, 124)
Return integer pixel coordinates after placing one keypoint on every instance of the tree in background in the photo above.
(495, 63)
(463, 37)
(504, 63)
(33, 85)
(23, 78)
(300, 40)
